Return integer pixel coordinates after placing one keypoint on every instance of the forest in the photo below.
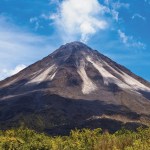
(85, 139)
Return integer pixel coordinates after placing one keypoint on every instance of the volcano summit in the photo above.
(74, 87)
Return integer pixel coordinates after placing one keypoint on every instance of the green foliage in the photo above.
(26, 139)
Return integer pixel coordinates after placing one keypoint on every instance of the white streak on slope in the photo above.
(52, 76)
(44, 75)
(88, 86)
(133, 83)
(107, 77)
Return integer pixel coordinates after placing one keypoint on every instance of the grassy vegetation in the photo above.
(26, 139)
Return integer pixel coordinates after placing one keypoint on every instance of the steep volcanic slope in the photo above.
(74, 85)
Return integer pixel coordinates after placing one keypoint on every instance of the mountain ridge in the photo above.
(103, 56)
(89, 83)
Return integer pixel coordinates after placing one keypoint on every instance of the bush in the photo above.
(85, 139)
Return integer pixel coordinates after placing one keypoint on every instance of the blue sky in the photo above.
(30, 30)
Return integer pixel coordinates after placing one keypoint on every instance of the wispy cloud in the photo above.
(9, 72)
(113, 8)
(18, 46)
(147, 1)
(129, 41)
(138, 16)
(35, 21)
(79, 18)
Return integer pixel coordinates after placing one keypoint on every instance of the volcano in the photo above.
(74, 87)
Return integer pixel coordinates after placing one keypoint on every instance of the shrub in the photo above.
(85, 139)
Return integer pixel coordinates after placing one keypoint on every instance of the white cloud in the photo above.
(115, 14)
(6, 73)
(113, 8)
(123, 37)
(18, 46)
(35, 20)
(147, 1)
(130, 41)
(79, 18)
(17, 69)
(107, 2)
(138, 16)
(117, 5)
(54, 2)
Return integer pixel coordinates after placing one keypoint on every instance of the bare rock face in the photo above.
(74, 86)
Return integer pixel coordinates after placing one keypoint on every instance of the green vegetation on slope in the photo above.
(25, 139)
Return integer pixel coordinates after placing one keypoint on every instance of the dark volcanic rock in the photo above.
(74, 87)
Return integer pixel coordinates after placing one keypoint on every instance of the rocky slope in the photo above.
(74, 86)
